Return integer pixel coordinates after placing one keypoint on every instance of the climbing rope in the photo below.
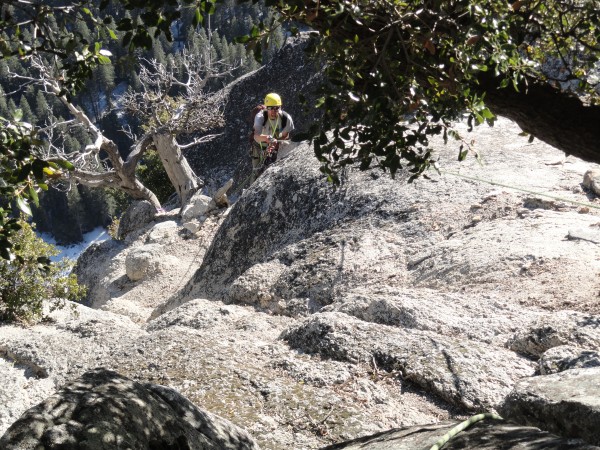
(516, 188)
(263, 157)
(461, 427)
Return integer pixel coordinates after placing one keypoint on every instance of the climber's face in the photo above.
(273, 111)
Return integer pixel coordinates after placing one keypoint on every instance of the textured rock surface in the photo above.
(229, 360)
(591, 180)
(126, 278)
(566, 403)
(136, 216)
(482, 436)
(36, 361)
(105, 410)
(375, 231)
(143, 261)
(556, 330)
(471, 375)
(199, 207)
(402, 304)
(565, 357)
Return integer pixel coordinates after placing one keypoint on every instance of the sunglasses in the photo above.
(273, 108)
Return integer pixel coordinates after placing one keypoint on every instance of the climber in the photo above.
(271, 125)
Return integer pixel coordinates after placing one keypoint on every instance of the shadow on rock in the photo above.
(103, 409)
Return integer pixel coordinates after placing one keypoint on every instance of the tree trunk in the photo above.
(121, 175)
(180, 173)
(557, 118)
(140, 192)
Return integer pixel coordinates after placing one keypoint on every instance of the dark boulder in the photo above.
(103, 410)
(481, 436)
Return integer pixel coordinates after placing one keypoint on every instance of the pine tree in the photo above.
(275, 43)
(95, 208)
(3, 70)
(215, 48)
(82, 28)
(71, 144)
(105, 76)
(28, 115)
(225, 51)
(12, 107)
(134, 80)
(3, 104)
(158, 53)
(42, 108)
(82, 137)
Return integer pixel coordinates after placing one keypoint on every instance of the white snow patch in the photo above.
(73, 251)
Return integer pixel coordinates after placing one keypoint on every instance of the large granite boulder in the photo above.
(103, 409)
(37, 360)
(448, 234)
(554, 330)
(144, 261)
(139, 214)
(565, 357)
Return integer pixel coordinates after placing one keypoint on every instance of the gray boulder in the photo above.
(199, 207)
(143, 261)
(103, 409)
(553, 330)
(591, 180)
(565, 357)
(90, 272)
(136, 216)
(566, 403)
(163, 233)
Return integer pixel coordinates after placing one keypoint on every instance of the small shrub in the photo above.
(113, 228)
(30, 278)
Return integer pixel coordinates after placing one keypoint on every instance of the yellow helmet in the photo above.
(272, 99)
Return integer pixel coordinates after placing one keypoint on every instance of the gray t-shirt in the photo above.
(272, 127)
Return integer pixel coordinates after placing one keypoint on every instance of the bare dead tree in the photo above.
(172, 107)
(168, 106)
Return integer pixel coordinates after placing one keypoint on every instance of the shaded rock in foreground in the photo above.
(102, 410)
(481, 436)
(566, 403)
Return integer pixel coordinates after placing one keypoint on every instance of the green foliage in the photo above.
(152, 174)
(28, 115)
(403, 71)
(22, 174)
(28, 280)
(113, 228)
(117, 201)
